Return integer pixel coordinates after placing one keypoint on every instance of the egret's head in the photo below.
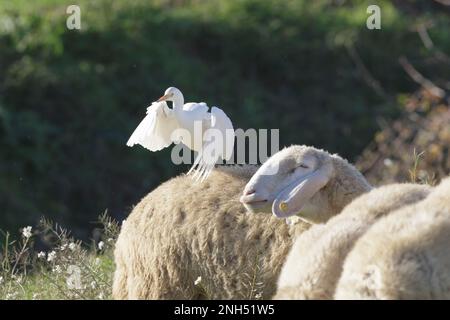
(171, 94)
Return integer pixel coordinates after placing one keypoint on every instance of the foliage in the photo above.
(70, 99)
(68, 270)
(414, 148)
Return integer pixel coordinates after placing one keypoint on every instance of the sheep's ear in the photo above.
(291, 200)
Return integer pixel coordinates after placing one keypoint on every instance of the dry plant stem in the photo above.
(443, 2)
(413, 172)
(366, 74)
(420, 79)
(424, 36)
(20, 255)
(94, 276)
(5, 261)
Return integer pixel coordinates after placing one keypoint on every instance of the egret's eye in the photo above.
(292, 170)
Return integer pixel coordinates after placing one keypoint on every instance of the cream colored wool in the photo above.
(182, 231)
(405, 255)
(314, 264)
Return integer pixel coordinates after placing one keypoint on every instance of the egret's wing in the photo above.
(196, 106)
(220, 121)
(155, 130)
(214, 147)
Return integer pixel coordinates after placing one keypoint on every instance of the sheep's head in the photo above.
(302, 181)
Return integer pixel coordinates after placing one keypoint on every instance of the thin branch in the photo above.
(420, 79)
(443, 2)
(425, 37)
(367, 76)
(422, 30)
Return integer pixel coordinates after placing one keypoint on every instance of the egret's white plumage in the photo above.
(154, 131)
(216, 140)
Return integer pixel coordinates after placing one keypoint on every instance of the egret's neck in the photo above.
(178, 102)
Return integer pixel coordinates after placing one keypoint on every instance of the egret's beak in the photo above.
(164, 97)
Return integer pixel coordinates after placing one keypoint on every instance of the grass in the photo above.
(420, 176)
(413, 171)
(69, 269)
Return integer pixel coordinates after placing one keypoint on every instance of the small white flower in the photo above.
(388, 162)
(35, 296)
(1, 279)
(41, 255)
(11, 295)
(197, 281)
(26, 232)
(101, 245)
(72, 246)
(110, 240)
(101, 296)
(258, 296)
(63, 247)
(51, 256)
(93, 284)
(97, 261)
(57, 269)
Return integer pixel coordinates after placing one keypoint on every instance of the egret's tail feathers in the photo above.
(195, 164)
(201, 169)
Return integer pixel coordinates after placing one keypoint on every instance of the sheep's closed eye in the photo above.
(303, 166)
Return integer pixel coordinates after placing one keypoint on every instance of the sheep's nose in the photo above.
(249, 192)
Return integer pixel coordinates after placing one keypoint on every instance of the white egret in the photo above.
(159, 129)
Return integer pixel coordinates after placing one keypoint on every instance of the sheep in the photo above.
(182, 232)
(314, 264)
(405, 255)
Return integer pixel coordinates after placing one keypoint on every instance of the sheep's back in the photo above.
(204, 227)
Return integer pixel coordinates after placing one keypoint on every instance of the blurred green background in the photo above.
(70, 99)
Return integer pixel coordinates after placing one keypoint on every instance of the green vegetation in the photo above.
(70, 99)
(67, 270)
